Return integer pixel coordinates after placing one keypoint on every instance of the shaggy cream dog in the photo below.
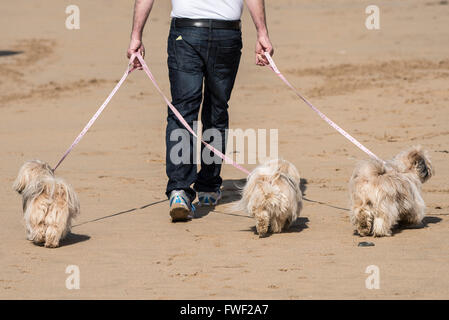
(385, 194)
(272, 196)
(49, 203)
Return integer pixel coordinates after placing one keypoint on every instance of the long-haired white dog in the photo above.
(385, 194)
(49, 203)
(272, 195)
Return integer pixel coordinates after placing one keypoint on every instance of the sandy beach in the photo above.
(387, 87)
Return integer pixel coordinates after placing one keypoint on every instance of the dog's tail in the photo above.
(369, 168)
(239, 206)
(71, 198)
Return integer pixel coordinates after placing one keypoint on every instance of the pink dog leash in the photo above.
(175, 111)
(97, 114)
(322, 115)
(186, 125)
(183, 121)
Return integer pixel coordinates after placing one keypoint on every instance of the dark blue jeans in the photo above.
(197, 58)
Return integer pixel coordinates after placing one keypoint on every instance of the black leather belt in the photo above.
(208, 23)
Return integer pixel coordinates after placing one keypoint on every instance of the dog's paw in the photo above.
(51, 241)
(37, 236)
(363, 232)
(51, 244)
(382, 234)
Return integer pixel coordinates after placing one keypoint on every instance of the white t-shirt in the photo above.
(207, 9)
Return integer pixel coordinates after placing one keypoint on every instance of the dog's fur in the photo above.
(383, 195)
(272, 196)
(49, 203)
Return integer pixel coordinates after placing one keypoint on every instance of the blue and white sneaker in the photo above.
(181, 208)
(209, 198)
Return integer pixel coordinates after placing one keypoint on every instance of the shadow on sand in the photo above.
(424, 224)
(297, 226)
(121, 212)
(5, 53)
(73, 238)
(230, 193)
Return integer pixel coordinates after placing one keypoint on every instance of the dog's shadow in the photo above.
(299, 225)
(73, 238)
(424, 224)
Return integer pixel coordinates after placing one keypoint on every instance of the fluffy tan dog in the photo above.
(49, 203)
(383, 195)
(272, 195)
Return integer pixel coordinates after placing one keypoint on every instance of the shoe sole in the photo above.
(202, 204)
(179, 213)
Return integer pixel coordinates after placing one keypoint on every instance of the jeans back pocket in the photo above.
(183, 54)
(227, 61)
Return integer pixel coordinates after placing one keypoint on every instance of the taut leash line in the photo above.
(96, 115)
(322, 115)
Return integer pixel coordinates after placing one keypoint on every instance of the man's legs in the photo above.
(222, 65)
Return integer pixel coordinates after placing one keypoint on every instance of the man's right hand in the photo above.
(136, 46)
(263, 45)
